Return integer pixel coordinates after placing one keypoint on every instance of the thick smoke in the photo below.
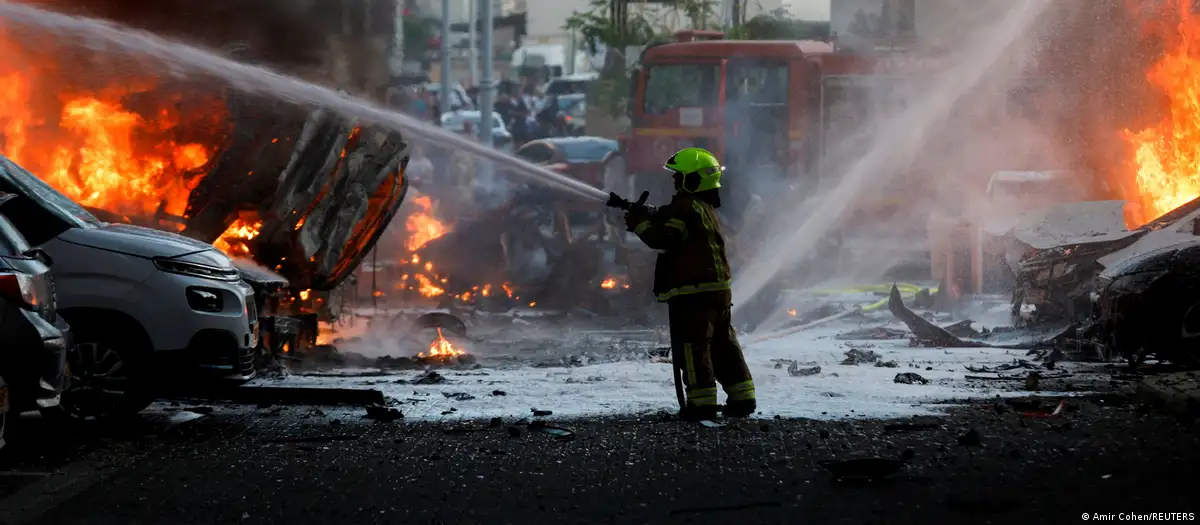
(322, 40)
(1013, 85)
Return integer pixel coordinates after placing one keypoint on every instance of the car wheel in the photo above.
(104, 382)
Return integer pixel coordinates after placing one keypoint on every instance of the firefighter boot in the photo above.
(742, 400)
(741, 408)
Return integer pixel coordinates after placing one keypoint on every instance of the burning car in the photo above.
(139, 301)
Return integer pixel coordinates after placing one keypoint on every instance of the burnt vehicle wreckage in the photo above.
(339, 185)
(1096, 292)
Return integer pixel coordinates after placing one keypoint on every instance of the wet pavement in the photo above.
(985, 462)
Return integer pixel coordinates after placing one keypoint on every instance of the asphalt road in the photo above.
(300, 465)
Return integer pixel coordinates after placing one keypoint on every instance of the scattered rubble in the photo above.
(910, 378)
(458, 396)
(795, 370)
(856, 357)
(382, 413)
(429, 378)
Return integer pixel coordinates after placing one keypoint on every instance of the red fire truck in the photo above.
(770, 109)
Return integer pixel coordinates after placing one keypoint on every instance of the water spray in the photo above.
(184, 60)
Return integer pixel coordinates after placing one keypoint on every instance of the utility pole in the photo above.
(487, 87)
(473, 19)
(445, 81)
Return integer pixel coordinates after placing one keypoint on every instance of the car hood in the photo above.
(135, 240)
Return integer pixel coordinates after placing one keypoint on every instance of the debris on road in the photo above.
(458, 396)
(910, 378)
(795, 370)
(382, 413)
(540, 413)
(429, 378)
(559, 433)
(855, 356)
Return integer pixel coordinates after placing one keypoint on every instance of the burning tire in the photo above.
(105, 380)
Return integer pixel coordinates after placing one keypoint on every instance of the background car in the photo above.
(457, 121)
(584, 158)
(33, 338)
(570, 84)
(573, 109)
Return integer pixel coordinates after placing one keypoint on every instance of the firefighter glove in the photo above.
(635, 217)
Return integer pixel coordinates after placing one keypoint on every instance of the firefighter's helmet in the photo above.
(699, 168)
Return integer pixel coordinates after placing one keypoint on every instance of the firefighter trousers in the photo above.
(705, 347)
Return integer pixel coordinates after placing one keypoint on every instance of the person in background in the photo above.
(547, 117)
(520, 129)
(532, 102)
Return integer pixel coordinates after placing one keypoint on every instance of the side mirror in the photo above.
(40, 255)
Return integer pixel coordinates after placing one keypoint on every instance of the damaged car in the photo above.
(141, 302)
(1149, 304)
(1134, 291)
(33, 338)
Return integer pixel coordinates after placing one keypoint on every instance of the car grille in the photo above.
(252, 321)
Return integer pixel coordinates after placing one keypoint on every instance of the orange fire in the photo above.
(1167, 157)
(609, 283)
(421, 225)
(441, 348)
(83, 136)
(234, 240)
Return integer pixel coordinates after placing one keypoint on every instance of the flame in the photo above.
(84, 141)
(234, 240)
(791, 312)
(609, 283)
(441, 348)
(422, 226)
(1166, 158)
(426, 287)
(304, 294)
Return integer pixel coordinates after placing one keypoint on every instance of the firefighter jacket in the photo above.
(693, 258)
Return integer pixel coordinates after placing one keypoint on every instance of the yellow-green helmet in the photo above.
(700, 169)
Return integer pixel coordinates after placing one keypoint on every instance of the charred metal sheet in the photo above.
(323, 187)
(929, 334)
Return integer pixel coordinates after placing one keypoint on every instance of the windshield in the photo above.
(587, 151)
(27, 184)
(672, 86)
(565, 103)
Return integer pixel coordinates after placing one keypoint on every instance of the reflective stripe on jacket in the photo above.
(693, 260)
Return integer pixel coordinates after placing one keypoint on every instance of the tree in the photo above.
(596, 28)
(780, 25)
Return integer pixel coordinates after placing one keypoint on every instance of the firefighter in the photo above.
(692, 276)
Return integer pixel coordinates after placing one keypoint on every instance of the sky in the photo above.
(809, 9)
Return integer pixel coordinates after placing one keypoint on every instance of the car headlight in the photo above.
(202, 271)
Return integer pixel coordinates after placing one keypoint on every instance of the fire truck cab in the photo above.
(760, 106)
